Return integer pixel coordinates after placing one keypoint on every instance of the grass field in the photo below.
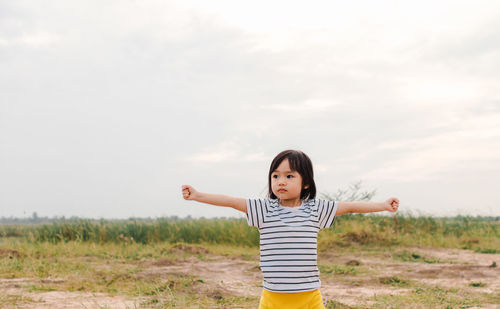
(365, 262)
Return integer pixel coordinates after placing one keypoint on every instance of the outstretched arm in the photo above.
(391, 205)
(189, 193)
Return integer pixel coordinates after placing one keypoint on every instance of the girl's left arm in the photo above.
(391, 205)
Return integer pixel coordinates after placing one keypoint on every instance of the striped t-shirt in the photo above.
(288, 242)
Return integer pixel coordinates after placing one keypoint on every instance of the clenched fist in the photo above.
(392, 204)
(188, 192)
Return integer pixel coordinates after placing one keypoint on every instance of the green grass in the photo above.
(338, 269)
(227, 231)
(111, 256)
(394, 281)
(12, 301)
(119, 269)
(434, 297)
(477, 284)
(332, 304)
(472, 233)
(404, 231)
(487, 250)
(407, 256)
(115, 269)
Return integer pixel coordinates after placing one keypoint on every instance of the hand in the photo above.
(188, 192)
(392, 204)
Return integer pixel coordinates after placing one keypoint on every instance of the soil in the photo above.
(57, 299)
(236, 276)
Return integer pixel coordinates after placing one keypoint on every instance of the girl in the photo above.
(289, 222)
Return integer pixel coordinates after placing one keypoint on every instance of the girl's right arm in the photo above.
(189, 193)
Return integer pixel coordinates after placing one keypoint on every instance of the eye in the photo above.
(289, 176)
(275, 176)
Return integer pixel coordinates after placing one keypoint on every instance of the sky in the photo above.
(108, 107)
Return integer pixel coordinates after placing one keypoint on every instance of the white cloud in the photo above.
(474, 145)
(212, 157)
(34, 40)
(227, 151)
(220, 152)
(321, 169)
(308, 106)
(257, 156)
(125, 81)
(427, 90)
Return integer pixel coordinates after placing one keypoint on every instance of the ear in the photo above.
(306, 187)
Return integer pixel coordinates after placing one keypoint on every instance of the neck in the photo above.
(291, 203)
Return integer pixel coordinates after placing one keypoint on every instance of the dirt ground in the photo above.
(237, 276)
(459, 269)
(14, 289)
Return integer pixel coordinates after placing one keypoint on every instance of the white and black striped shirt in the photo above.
(288, 242)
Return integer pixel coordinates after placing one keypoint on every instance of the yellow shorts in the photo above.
(302, 300)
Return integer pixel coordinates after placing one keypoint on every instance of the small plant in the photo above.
(338, 269)
(332, 304)
(394, 280)
(477, 284)
(407, 256)
(353, 263)
(487, 250)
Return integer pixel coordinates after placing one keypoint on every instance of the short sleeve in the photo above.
(255, 212)
(326, 212)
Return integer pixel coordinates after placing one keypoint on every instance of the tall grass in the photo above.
(368, 230)
(454, 232)
(227, 231)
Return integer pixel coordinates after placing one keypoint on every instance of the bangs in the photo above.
(295, 164)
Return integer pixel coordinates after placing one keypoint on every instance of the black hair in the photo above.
(300, 163)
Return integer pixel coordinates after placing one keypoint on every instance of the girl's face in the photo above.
(286, 184)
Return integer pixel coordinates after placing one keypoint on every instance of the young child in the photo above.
(289, 222)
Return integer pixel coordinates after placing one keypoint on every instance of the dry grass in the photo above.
(221, 276)
(365, 262)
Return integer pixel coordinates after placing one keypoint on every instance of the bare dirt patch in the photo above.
(449, 268)
(471, 267)
(220, 277)
(164, 262)
(460, 256)
(236, 276)
(16, 289)
(56, 300)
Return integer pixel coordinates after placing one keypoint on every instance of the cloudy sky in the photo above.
(108, 107)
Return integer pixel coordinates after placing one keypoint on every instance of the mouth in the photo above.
(281, 190)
